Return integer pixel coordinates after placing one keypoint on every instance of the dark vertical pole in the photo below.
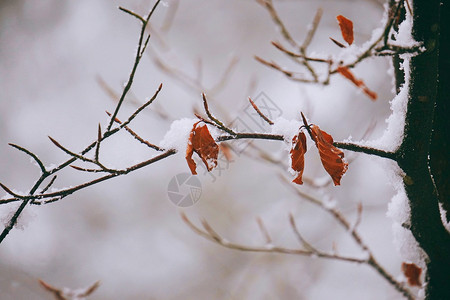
(424, 138)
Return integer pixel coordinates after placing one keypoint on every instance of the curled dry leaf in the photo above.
(346, 28)
(202, 143)
(331, 157)
(297, 152)
(412, 274)
(344, 71)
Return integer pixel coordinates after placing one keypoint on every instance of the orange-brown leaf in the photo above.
(412, 274)
(202, 143)
(344, 71)
(346, 28)
(372, 95)
(297, 152)
(331, 157)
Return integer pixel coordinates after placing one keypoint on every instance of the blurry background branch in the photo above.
(307, 249)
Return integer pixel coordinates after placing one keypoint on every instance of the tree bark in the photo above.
(423, 155)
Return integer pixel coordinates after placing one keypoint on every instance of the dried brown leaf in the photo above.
(412, 274)
(297, 152)
(202, 143)
(346, 28)
(344, 71)
(332, 158)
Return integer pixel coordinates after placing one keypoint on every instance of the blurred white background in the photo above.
(125, 232)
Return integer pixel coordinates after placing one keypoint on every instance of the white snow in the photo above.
(444, 220)
(403, 37)
(286, 128)
(398, 209)
(178, 135)
(407, 246)
(25, 218)
(393, 134)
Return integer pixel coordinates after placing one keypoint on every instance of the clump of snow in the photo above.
(444, 220)
(8, 211)
(403, 37)
(178, 135)
(399, 211)
(287, 128)
(407, 246)
(393, 134)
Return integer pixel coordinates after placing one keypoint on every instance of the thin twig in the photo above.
(215, 120)
(264, 117)
(356, 237)
(134, 68)
(211, 235)
(109, 132)
(69, 191)
(99, 139)
(263, 230)
(135, 135)
(133, 14)
(268, 4)
(297, 55)
(51, 182)
(81, 157)
(312, 30)
(143, 106)
(292, 75)
(34, 156)
(366, 150)
(301, 239)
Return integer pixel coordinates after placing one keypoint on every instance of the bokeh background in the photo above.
(56, 57)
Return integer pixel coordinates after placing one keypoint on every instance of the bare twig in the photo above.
(263, 230)
(109, 132)
(300, 238)
(371, 261)
(34, 156)
(299, 55)
(138, 57)
(268, 4)
(219, 124)
(358, 216)
(211, 235)
(133, 14)
(312, 30)
(367, 150)
(99, 140)
(135, 135)
(379, 47)
(292, 75)
(51, 182)
(265, 118)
